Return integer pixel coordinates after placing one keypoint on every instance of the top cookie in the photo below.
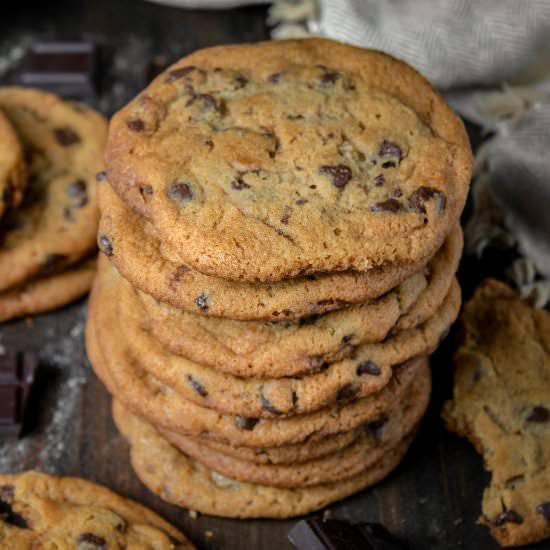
(13, 175)
(43, 511)
(273, 160)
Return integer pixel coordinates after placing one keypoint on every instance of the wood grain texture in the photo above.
(432, 500)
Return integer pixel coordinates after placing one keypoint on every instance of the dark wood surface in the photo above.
(432, 500)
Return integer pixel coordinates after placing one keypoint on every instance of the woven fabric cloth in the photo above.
(464, 47)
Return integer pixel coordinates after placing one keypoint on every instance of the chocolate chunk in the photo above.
(239, 184)
(202, 301)
(510, 516)
(65, 68)
(332, 534)
(347, 392)
(180, 191)
(543, 509)
(368, 367)
(197, 386)
(89, 541)
(136, 125)
(379, 180)
(266, 404)
(176, 74)
(51, 264)
(390, 149)
(105, 245)
(422, 195)
(101, 176)
(389, 205)
(207, 102)
(340, 174)
(78, 190)
(66, 136)
(539, 414)
(17, 375)
(245, 422)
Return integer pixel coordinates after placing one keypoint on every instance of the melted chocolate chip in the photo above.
(239, 184)
(340, 174)
(202, 302)
(101, 176)
(418, 199)
(347, 392)
(543, 509)
(268, 406)
(78, 190)
(389, 205)
(66, 136)
(180, 191)
(206, 101)
(176, 74)
(390, 149)
(510, 516)
(51, 264)
(539, 414)
(105, 245)
(246, 423)
(136, 125)
(197, 386)
(89, 541)
(368, 367)
(379, 180)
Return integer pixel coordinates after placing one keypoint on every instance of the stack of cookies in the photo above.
(50, 152)
(279, 225)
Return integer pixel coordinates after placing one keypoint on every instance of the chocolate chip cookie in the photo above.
(182, 481)
(56, 224)
(502, 405)
(13, 171)
(265, 161)
(133, 245)
(44, 511)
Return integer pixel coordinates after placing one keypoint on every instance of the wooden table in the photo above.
(432, 500)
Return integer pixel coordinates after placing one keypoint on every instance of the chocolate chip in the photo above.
(10, 516)
(246, 423)
(544, 510)
(285, 218)
(105, 245)
(66, 136)
(101, 176)
(7, 492)
(202, 302)
(376, 427)
(274, 78)
(207, 102)
(340, 174)
(390, 149)
(329, 77)
(176, 74)
(347, 338)
(51, 264)
(368, 367)
(318, 362)
(379, 180)
(389, 205)
(177, 275)
(180, 191)
(510, 516)
(266, 404)
(239, 184)
(197, 386)
(89, 541)
(79, 191)
(136, 125)
(301, 202)
(397, 192)
(347, 392)
(539, 414)
(422, 195)
(241, 81)
(145, 190)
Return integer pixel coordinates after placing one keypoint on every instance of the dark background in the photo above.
(431, 501)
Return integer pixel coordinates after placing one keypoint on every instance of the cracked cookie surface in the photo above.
(501, 404)
(281, 159)
(45, 511)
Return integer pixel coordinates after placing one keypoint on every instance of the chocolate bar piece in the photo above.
(332, 534)
(17, 374)
(65, 68)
